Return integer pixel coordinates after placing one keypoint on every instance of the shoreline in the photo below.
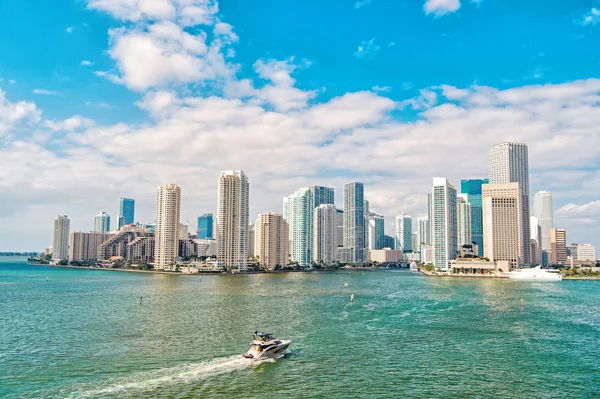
(430, 274)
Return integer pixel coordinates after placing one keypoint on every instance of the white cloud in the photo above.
(70, 29)
(71, 124)
(441, 7)
(362, 3)
(12, 114)
(12, 81)
(45, 92)
(592, 17)
(391, 44)
(225, 30)
(86, 63)
(381, 88)
(366, 49)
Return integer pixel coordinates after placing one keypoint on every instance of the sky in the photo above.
(101, 99)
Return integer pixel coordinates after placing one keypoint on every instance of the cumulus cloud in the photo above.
(86, 63)
(441, 7)
(45, 92)
(591, 17)
(367, 49)
(361, 3)
(11, 114)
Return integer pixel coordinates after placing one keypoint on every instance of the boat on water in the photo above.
(535, 274)
(265, 346)
(414, 267)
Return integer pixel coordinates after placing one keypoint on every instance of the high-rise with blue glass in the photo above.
(205, 226)
(126, 211)
(472, 188)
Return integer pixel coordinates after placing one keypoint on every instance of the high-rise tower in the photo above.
(443, 223)
(126, 212)
(168, 208)
(542, 209)
(232, 220)
(60, 241)
(354, 221)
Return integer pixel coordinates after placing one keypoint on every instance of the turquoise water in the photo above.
(84, 334)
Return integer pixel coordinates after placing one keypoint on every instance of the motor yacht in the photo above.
(535, 274)
(265, 346)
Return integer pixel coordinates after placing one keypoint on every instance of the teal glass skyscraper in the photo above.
(472, 187)
(126, 211)
(205, 226)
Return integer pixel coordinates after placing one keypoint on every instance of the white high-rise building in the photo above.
(404, 233)
(60, 241)
(536, 240)
(443, 223)
(463, 220)
(325, 248)
(102, 222)
(271, 243)
(354, 221)
(509, 163)
(424, 231)
(376, 235)
(166, 238)
(233, 203)
(542, 209)
(502, 226)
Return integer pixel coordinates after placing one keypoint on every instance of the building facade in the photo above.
(536, 240)
(376, 226)
(84, 246)
(205, 226)
(126, 211)
(271, 243)
(509, 163)
(443, 223)
(339, 228)
(385, 255)
(558, 246)
(464, 227)
(325, 248)
(60, 240)
(232, 220)
(424, 231)
(404, 233)
(354, 221)
(102, 222)
(542, 209)
(166, 245)
(472, 188)
(502, 226)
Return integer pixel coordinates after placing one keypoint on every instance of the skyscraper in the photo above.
(424, 231)
(84, 246)
(463, 220)
(509, 163)
(354, 221)
(502, 226)
(558, 244)
(542, 209)
(60, 241)
(404, 233)
(232, 220)
(166, 245)
(339, 228)
(472, 187)
(325, 248)
(376, 235)
(126, 211)
(102, 222)
(271, 243)
(536, 241)
(205, 226)
(443, 223)
(299, 209)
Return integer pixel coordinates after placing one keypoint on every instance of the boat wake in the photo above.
(179, 375)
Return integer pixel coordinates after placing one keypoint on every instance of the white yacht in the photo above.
(534, 274)
(265, 346)
(414, 267)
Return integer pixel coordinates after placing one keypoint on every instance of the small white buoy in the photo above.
(345, 285)
(46, 278)
(352, 298)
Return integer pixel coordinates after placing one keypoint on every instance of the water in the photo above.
(84, 334)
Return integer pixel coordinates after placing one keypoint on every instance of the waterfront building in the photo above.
(536, 240)
(126, 212)
(187, 248)
(426, 254)
(509, 163)
(385, 255)
(252, 240)
(206, 247)
(367, 213)
(102, 222)
(424, 231)
(325, 248)
(299, 210)
(345, 255)
(271, 244)
(354, 221)
(463, 220)
(472, 188)
(415, 243)
(376, 226)
(166, 245)
(558, 246)
(470, 266)
(389, 242)
(84, 246)
(502, 227)
(583, 252)
(339, 228)
(404, 233)
(205, 226)
(232, 220)
(542, 209)
(60, 241)
(443, 223)
(131, 243)
(47, 251)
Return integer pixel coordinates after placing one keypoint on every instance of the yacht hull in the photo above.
(271, 352)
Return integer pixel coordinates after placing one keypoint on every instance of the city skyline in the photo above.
(108, 125)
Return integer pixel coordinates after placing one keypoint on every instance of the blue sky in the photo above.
(109, 98)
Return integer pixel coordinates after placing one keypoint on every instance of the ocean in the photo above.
(68, 333)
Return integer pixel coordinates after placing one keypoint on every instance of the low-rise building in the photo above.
(478, 266)
(386, 255)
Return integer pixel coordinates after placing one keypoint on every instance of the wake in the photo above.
(183, 374)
